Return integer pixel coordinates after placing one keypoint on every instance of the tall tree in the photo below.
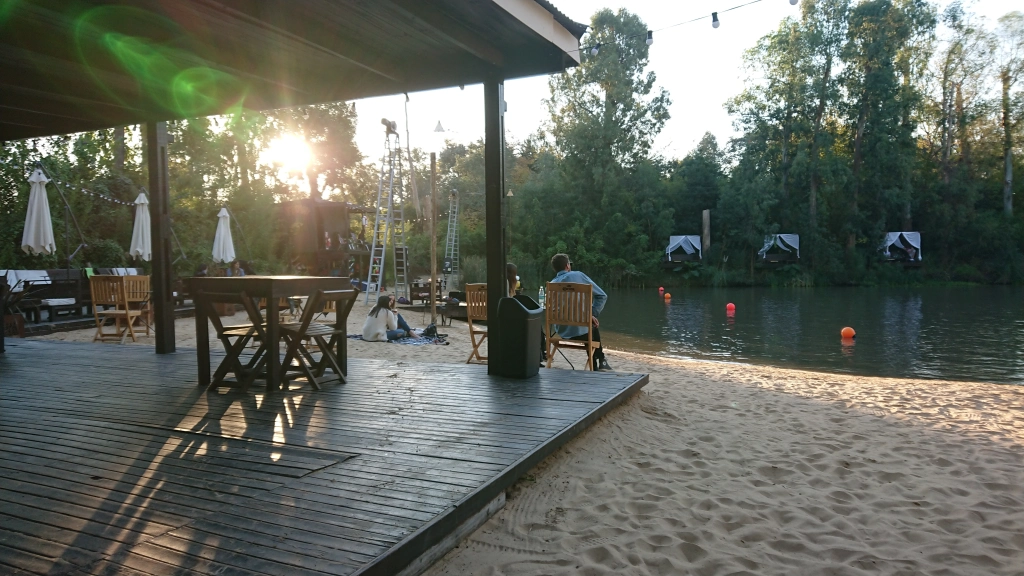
(1011, 68)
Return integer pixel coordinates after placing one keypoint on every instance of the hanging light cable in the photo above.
(714, 20)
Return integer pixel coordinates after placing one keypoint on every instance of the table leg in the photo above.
(342, 349)
(202, 343)
(273, 346)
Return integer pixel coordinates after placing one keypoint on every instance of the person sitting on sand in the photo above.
(383, 323)
(562, 266)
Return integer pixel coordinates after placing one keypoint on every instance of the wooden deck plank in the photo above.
(141, 473)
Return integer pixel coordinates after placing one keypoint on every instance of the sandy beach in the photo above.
(719, 468)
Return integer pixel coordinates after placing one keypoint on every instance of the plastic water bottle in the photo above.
(540, 296)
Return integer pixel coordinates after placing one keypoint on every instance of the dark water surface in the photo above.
(958, 333)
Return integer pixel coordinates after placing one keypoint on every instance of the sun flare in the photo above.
(290, 153)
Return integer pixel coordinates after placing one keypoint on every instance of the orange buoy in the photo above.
(668, 296)
(730, 307)
(848, 332)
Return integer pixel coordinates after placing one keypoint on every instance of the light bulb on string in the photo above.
(305, 114)
(595, 49)
(650, 37)
(714, 20)
(793, 2)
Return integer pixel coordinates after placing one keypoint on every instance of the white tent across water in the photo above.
(788, 242)
(142, 243)
(689, 244)
(38, 235)
(223, 245)
(904, 240)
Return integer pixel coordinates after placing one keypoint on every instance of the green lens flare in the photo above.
(165, 71)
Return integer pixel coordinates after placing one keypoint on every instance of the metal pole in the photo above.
(433, 238)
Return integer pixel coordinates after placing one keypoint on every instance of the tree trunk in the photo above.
(313, 176)
(1007, 146)
(962, 136)
(119, 149)
(858, 158)
(818, 115)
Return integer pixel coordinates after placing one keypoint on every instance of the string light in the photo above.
(650, 33)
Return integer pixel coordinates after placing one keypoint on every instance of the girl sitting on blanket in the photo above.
(383, 323)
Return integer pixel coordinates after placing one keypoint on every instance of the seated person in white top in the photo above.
(383, 323)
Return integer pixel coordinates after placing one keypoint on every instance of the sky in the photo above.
(701, 67)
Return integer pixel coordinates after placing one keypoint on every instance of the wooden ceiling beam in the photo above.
(451, 30)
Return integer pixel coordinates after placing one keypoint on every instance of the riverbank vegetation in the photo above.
(858, 118)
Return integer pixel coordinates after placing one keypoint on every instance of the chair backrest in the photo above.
(108, 291)
(136, 288)
(476, 301)
(342, 300)
(209, 299)
(568, 304)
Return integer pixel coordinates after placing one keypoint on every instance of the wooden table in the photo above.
(272, 288)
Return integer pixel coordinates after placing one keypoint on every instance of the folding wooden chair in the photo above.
(110, 302)
(235, 338)
(138, 295)
(570, 304)
(476, 309)
(296, 334)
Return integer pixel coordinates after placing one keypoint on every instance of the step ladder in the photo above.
(389, 223)
(450, 269)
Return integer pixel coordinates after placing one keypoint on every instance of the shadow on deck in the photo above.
(113, 461)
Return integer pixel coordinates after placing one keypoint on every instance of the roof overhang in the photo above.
(76, 65)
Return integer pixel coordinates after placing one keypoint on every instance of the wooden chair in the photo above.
(110, 291)
(476, 309)
(235, 338)
(296, 334)
(138, 293)
(570, 304)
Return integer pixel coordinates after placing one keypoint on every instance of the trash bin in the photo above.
(521, 322)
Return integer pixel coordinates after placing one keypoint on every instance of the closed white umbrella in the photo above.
(142, 243)
(38, 236)
(223, 246)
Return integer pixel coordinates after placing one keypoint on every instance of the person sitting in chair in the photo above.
(562, 266)
(383, 323)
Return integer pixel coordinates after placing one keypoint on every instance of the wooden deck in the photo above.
(113, 461)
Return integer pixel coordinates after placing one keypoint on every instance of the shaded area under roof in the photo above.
(69, 66)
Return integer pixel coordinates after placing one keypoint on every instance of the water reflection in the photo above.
(952, 333)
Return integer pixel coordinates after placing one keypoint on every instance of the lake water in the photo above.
(960, 333)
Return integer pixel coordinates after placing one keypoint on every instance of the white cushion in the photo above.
(34, 276)
(58, 301)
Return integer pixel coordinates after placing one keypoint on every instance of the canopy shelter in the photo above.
(910, 242)
(75, 66)
(688, 245)
(789, 243)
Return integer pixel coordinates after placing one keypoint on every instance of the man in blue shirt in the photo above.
(562, 266)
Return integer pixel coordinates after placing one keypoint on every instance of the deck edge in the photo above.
(408, 552)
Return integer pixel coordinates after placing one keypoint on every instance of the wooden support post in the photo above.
(433, 238)
(162, 299)
(494, 195)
